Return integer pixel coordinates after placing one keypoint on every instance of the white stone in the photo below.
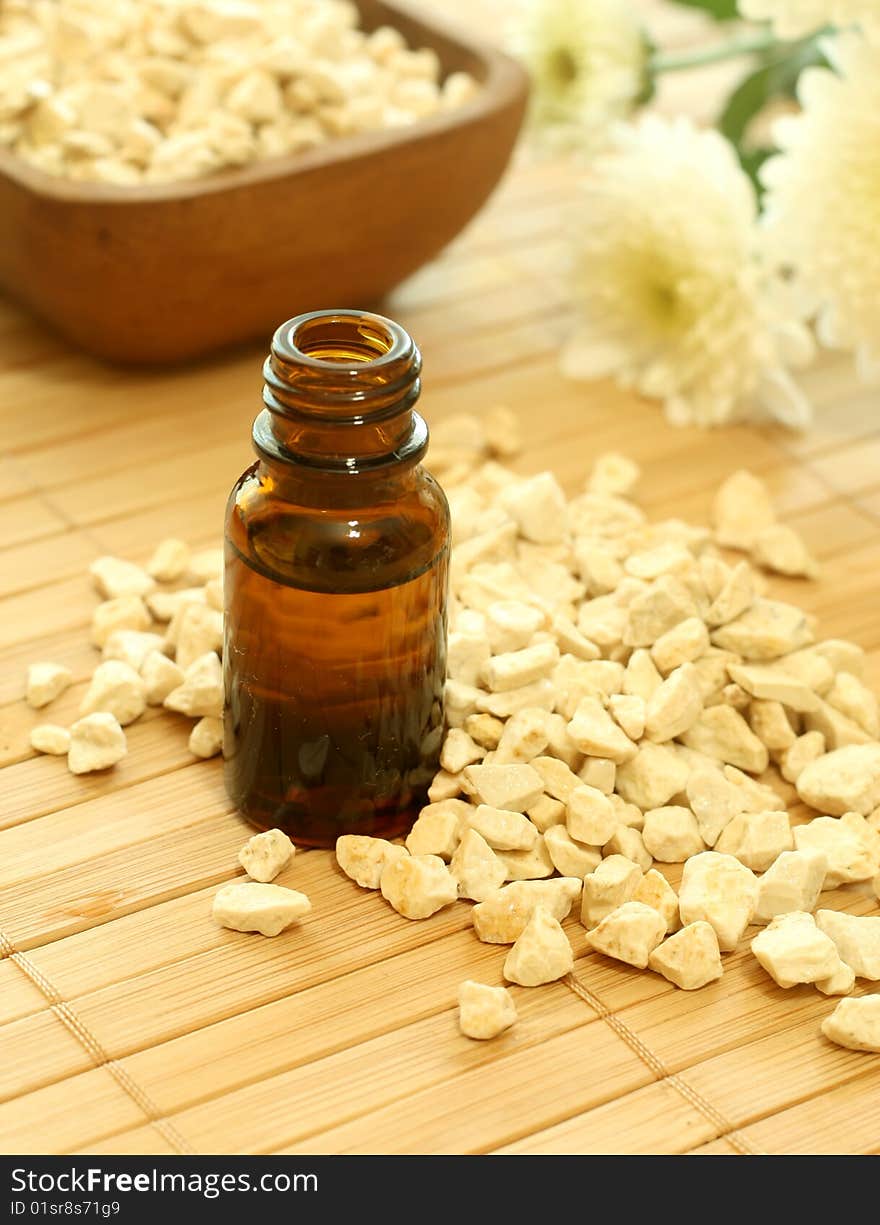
(364, 859)
(757, 796)
(50, 738)
(735, 595)
(503, 705)
(857, 939)
(127, 612)
(131, 646)
(45, 682)
(194, 631)
(600, 773)
(721, 732)
(675, 706)
(206, 738)
(164, 605)
(757, 839)
(628, 842)
(520, 668)
(169, 561)
(541, 953)
(594, 732)
(559, 781)
(503, 916)
(641, 677)
(532, 864)
(590, 816)
(201, 693)
(264, 855)
(837, 729)
(629, 933)
(545, 813)
(613, 473)
(773, 683)
(840, 983)
(682, 644)
(846, 843)
(855, 700)
(484, 1012)
(461, 702)
(780, 548)
(628, 711)
(720, 890)
(792, 882)
(655, 890)
(417, 886)
(435, 832)
(571, 641)
(771, 725)
(657, 610)
(116, 689)
(511, 625)
(690, 959)
(511, 787)
(444, 786)
(160, 676)
(653, 776)
(459, 750)
(672, 834)
(792, 950)
(766, 630)
(855, 1024)
(246, 906)
(845, 780)
(524, 737)
(714, 802)
(570, 858)
(477, 869)
(484, 730)
(741, 509)
(114, 577)
(503, 829)
(538, 507)
(96, 742)
(612, 883)
(842, 656)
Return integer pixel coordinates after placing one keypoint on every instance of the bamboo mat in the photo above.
(130, 1023)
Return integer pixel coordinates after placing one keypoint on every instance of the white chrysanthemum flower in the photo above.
(823, 198)
(795, 18)
(588, 61)
(673, 298)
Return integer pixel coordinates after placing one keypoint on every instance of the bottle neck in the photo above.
(339, 392)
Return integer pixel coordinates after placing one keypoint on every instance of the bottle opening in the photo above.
(339, 392)
(343, 338)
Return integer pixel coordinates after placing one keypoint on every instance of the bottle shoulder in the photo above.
(348, 534)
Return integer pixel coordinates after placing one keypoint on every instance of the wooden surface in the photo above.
(168, 271)
(130, 1023)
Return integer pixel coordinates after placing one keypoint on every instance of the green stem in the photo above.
(750, 44)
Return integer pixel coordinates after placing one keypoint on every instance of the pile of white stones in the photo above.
(618, 694)
(153, 90)
(159, 648)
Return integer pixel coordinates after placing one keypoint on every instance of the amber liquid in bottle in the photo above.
(336, 576)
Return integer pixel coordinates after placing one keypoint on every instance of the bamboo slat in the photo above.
(135, 1024)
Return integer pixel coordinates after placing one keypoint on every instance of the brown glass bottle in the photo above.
(337, 545)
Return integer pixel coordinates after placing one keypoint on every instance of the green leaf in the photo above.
(721, 10)
(777, 77)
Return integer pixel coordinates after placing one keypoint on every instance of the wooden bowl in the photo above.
(163, 272)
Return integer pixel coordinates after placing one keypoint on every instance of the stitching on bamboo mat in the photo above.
(93, 1047)
(725, 1128)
